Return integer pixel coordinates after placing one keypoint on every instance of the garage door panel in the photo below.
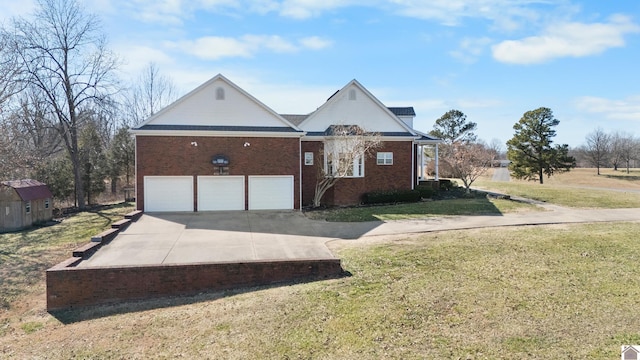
(168, 193)
(271, 192)
(217, 193)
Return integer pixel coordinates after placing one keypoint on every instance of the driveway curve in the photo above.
(183, 238)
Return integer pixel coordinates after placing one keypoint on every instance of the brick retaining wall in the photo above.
(69, 286)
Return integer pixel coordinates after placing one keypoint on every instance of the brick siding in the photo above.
(174, 156)
(348, 191)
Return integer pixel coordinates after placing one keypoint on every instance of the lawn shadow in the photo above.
(92, 312)
(623, 177)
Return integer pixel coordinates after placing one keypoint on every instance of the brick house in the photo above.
(219, 148)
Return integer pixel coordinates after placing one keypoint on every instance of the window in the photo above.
(384, 158)
(219, 93)
(352, 94)
(308, 158)
(346, 165)
(27, 207)
(46, 204)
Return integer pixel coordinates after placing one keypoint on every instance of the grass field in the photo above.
(547, 292)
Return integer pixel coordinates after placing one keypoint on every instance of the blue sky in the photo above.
(491, 59)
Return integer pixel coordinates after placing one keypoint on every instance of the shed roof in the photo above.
(29, 189)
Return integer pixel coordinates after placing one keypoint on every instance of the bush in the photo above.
(446, 184)
(392, 196)
(426, 192)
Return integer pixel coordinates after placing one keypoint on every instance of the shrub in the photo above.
(447, 184)
(426, 192)
(392, 196)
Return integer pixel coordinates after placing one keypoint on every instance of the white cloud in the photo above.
(138, 57)
(566, 40)
(505, 14)
(218, 47)
(315, 43)
(303, 9)
(171, 12)
(622, 109)
(470, 49)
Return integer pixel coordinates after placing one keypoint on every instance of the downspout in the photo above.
(421, 162)
(437, 165)
(300, 160)
(413, 164)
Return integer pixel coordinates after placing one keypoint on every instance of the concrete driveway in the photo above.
(205, 237)
(184, 238)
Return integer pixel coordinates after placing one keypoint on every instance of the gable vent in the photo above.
(352, 94)
(219, 93)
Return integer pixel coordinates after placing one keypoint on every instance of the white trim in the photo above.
(206, 84)
(355, 83)
(299, 177)
(215, 133)
(382, 137)
(384, 157)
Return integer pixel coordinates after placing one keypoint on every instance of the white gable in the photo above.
(218, 102)
(354, 105)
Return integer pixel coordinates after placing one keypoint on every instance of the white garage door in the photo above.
(168, 193)
(220, 193)
(271, 192)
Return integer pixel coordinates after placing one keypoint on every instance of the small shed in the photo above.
(24, 203)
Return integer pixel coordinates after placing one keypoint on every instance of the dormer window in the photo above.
(352, 94)
(219, 93)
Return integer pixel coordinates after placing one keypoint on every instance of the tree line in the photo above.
(614, 149)
(64, 112)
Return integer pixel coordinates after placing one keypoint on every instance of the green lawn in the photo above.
(546, 292)
(471, 206)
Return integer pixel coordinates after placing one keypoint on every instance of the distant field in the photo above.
(588, 177)
(581, 188)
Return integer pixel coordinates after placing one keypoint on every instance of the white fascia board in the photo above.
(216, 133)
(382, 138)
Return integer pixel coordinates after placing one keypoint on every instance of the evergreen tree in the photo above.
(531, 149)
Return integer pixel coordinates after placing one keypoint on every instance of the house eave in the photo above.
(217, 133)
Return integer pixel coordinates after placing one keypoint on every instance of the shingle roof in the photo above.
(282, 129)
(427, 137)
(403, 111)
(294, 118)
(29, 189)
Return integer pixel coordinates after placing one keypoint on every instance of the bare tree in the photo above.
(469, 161)
(345, 150)
(151, 92)
(598, 148)
(622, 149)
(9, 69)
(629, 149)
(63, 55)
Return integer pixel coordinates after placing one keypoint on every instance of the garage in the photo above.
(217, 193)
(168, 193)
(271, 192)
